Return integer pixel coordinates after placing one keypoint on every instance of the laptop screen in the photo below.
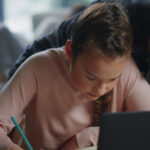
(125, 131)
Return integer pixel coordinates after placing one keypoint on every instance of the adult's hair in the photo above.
(106, 26)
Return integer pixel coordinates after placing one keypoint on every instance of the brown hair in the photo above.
(102, 105)
(106, 26)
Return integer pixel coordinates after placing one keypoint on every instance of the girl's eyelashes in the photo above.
(94, 78)
(113, 79)
(90, 77)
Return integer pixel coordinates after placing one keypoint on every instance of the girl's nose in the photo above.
(100, 89)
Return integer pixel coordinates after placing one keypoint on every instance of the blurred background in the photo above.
(24, 16)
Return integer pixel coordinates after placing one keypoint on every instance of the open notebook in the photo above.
(124, 131)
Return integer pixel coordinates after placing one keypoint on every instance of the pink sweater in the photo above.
(42, 90)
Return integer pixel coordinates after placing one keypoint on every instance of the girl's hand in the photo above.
(16, 147)
(71, 145)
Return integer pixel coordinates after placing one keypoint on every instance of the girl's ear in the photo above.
(68, 50)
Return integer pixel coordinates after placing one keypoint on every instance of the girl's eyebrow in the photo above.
(99, 78)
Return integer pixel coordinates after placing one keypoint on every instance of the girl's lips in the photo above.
(92, 95)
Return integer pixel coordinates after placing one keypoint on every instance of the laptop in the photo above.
(125, 131)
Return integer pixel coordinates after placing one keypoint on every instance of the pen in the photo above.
(21, 133)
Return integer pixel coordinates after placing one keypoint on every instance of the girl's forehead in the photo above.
(95, 53)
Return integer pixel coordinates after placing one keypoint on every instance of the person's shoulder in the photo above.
(46, 56)
(43, 65)
(130, 69)
(130, 76)
(46, 61)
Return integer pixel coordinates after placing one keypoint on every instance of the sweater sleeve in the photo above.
(14, 99)
(87, 137)
(137, 90)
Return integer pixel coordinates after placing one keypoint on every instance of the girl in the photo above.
(58, 90)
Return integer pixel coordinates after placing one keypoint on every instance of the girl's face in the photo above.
(93, 76)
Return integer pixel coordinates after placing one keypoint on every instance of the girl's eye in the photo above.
(113, 80)
(91, 78)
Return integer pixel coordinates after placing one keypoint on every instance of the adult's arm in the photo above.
(57, 38)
